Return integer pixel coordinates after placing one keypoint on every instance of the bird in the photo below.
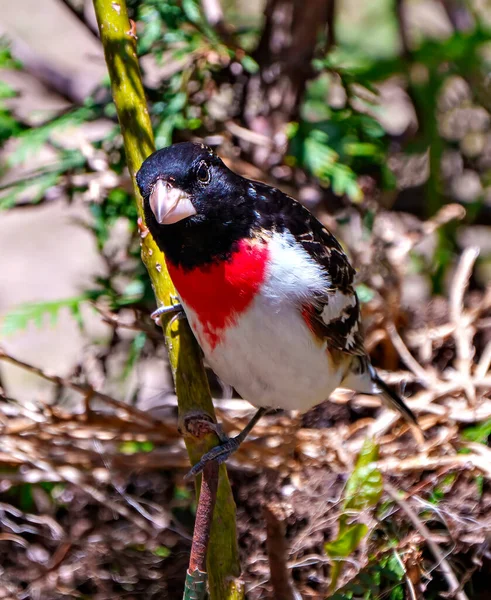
(267, 289)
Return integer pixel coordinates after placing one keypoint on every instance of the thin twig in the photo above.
(407, 357)
(463, 333)
(83, 389)
(446, 569)
(484, 363)
(75, 478)
(115, 320)
(409, 583)
(278, 553)
(196, 577)
(248, 135)
(426, 463)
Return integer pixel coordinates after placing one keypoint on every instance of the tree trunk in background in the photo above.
(284, 54)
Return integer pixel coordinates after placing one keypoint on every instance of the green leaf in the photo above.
(480, 485)
(37, 189)
(30, 141)
(443, 487)
(132, 293)
(192, 11)
(6, 60)
(162, 551)
(382, 578)
(364, 293)
(363, 490)
(361, 149)
(129, 448)
(38, 182)
(9, 125)
(6, 91)
(249, 64)
(182, 493)
(134, 353)
(20, 317)
(177, 103)
(478, 433)
(365, 485)
(343, 546)
(134, 447)
(152, 30)
(344, 181)
(347, 541)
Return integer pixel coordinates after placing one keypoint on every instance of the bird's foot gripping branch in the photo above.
(227, 446)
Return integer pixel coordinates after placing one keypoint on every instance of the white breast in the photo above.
(270, 356)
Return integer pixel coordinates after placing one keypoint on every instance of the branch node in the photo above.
(195, 585)
(197, 424)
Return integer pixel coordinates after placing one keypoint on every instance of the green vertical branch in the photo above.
(119, 41)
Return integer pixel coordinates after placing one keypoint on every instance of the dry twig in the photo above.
(443, 564)
(83, 389)
(196, 577)
(463, 332)
(278, 553)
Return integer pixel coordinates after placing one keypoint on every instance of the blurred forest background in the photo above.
(376, 116)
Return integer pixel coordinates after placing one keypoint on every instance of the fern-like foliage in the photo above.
(37, 313)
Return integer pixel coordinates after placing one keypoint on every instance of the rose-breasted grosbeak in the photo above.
(266, 288)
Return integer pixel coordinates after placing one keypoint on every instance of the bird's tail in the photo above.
(393, 399)
(363, 378)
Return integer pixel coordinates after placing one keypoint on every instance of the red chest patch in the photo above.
(219, 293)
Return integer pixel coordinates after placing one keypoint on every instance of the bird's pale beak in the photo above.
(169, 204)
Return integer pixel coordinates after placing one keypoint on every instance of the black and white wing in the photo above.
(333, 312)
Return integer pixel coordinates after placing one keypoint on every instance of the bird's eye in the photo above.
(203, 173)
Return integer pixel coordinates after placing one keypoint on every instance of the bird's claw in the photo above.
(219, 453)
(166, 310)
